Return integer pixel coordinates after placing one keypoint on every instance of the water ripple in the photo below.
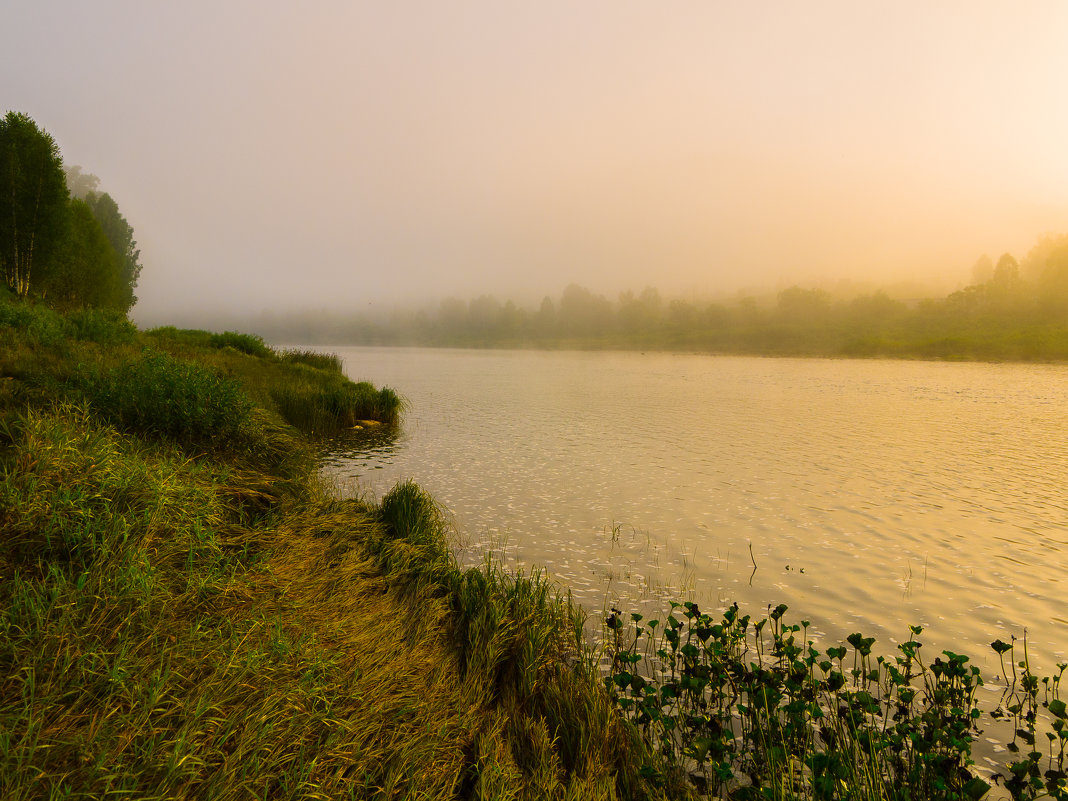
(907, 492)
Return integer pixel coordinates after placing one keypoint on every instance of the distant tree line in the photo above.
(1012, 310)
(61, 240)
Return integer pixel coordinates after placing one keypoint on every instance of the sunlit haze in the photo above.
(338, 154)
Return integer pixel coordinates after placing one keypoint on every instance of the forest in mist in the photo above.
(1014, 310)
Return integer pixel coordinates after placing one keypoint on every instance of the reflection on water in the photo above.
(364, 447)
(870, 495)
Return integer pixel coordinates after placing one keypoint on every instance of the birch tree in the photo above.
(33, 200)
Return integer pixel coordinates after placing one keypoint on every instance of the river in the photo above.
(865, 495)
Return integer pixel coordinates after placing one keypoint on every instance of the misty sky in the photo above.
(335, 154)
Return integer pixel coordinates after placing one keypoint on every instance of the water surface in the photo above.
(869, 495)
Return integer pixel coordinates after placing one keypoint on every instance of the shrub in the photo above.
(246, 343)
(161, 395)
(193, 337)
(103, 326)
(42, 325)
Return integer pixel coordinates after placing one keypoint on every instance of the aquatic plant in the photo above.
(753, 709)
(1022, 708)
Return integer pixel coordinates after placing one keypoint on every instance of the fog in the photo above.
(346, 154)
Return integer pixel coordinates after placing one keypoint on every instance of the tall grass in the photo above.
(181, 618)
(36, 324)
(103, 326)
(189, 337)
(521, 650)
(251, 344)
(319, 402)
(330, 362)
(148, 649)
(165, 396)
(157, 643)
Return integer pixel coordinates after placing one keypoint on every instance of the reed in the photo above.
(319, 402)
(160, 395)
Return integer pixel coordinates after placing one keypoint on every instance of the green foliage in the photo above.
(102, 326)
(1027, 703)
(410, 514)
(319, 402)
(119, 234)
(73, 252)
(160, 395)
(85, 272)
(33, 201)
(191, 337)
(246, 343)
(757, 701)
(249, 344)
(40, 325)
(330, 362)
(47, 327)
(307, 389)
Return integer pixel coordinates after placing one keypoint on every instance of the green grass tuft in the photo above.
(321, 402)
(245, 343)
(330, 362)
(190, 337)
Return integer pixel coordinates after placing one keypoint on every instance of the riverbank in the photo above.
(189, 612)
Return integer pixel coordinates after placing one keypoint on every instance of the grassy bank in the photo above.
(187, 613)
